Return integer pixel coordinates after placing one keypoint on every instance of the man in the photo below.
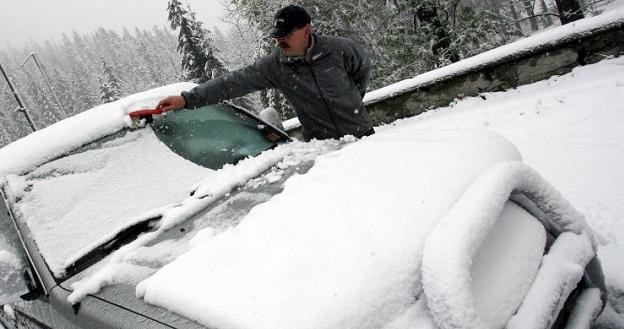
(325, 78)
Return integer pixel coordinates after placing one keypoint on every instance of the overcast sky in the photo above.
(21, 20)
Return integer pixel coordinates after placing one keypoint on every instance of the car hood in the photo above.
(348, 235)
(341, 245)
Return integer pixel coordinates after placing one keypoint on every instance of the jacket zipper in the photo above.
(331, 117)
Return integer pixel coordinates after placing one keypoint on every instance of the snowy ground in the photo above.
(569, 128)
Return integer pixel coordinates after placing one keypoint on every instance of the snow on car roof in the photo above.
(59, 138)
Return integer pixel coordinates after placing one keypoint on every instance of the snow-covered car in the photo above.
(214, 218)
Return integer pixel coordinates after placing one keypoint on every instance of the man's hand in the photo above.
(172, 103)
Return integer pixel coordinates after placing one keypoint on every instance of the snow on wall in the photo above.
(522, 46)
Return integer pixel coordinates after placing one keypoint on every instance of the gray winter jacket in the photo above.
(326, 87)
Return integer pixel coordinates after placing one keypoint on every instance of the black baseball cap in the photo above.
(287, 19)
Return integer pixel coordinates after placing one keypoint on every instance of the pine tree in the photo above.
(110, 85)
(199, 62)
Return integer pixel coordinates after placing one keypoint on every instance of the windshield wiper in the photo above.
(123, 237)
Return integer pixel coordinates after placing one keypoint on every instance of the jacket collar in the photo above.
(317, 50)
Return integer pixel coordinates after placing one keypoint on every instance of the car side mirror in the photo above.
(271, 116)
(15, 283)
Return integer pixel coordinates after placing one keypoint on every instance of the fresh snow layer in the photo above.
(79, 200)
(9, 259)
(561, 270)
(76, 201)
(340, 246)
(586, 309)
(122, 265)
(567, 127)
(451, 248)
(46, 144)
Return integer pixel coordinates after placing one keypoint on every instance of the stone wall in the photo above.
(552, 59)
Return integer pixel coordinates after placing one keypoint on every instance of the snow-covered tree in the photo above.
(110, 85)
(404, 37)
(199, 62)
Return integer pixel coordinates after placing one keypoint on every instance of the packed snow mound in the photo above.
(57, 139)
(451, 247)
(561, 270)
(340, 247)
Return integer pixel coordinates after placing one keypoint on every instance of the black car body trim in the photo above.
(123, 237)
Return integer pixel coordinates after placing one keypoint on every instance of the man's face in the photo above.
(296, 42)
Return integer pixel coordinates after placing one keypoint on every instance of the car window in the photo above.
(214, 135)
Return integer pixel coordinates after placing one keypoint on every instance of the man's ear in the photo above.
(308, 28)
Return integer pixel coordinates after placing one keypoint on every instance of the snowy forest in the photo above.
(403, 37)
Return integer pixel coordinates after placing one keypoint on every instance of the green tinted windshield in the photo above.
(214, 135)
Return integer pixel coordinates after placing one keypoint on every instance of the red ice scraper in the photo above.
(147, 114)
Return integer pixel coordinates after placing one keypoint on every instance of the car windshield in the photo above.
(215, 135)
(81, 200)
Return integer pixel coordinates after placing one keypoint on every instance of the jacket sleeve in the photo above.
(232, 84)
(358, 65)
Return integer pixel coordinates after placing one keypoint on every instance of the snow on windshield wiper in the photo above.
(115, 242)
(205, 193)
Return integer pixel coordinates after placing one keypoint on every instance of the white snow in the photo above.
(8, 258)
(451, 247)
(67, 203)
(211, 189)
(64, 136)
(10, 312)
(561, 269)
(586, 309)
(333, 250)
(613, 267)
(505, 264)
(341, 247)
(568, 128)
